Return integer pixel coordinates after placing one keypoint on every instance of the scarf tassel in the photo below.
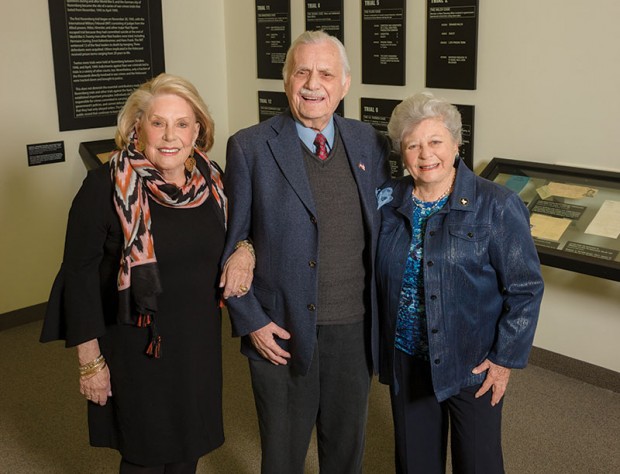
(144, 320)
(154, 347)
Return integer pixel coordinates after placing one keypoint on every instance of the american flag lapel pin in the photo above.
(361, 166)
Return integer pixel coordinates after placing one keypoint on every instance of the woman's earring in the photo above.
(139, 145)
(191, 161)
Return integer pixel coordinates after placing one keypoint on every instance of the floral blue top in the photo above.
(411, 329)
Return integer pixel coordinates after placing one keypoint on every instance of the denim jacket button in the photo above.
(433, 297)
(430, 263)
(437, 361)
(434, 331)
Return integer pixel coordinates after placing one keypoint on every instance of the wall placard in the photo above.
(383, 42)
(451, 43)
(326, 15)
(466, 150)
(377, 112)
(45, 153)
(102, 52)
(273, 37)
(271, 104)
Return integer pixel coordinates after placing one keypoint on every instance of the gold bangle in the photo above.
(246, 244)
(92, 363)
(92, 372)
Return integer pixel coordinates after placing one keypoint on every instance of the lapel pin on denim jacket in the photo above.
(383, 197)
(464, 202)
(361, 166)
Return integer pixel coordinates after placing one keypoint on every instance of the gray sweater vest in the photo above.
(342, 276)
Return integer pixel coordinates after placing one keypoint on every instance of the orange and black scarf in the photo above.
(135, 179)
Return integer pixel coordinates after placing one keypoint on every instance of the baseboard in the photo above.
(22, 316)
(577, 369)
(561, 364)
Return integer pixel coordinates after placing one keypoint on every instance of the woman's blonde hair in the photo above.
(139, 101)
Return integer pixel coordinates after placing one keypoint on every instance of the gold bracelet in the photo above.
(93, 363)
(247, 245)
(92, 372)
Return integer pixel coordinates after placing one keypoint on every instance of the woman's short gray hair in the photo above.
(417, 108)
(315, 37)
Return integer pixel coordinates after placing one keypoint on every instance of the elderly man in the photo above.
(301, 187)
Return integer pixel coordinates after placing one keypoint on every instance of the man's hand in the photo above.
(264, 339)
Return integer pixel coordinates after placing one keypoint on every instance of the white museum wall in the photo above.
(35, 200)
(548, 75)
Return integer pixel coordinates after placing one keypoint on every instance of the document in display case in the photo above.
(574, 213)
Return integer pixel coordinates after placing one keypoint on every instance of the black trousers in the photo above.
(421, 425)
(333, 396)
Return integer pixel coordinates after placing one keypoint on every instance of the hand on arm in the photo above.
(264, 339)
(95, 387)
(238, 272)
(496, 380)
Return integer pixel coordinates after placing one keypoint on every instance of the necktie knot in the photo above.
(321, 148)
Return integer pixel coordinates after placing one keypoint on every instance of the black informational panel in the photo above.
(274, 103)
(326, 15)
(273, 37)
(102, 53)
(96, 153)
(574, 213)
(271, 104)
(451, 44)
(383, 42)
(45, 153)
(377, 112)
(466, 150)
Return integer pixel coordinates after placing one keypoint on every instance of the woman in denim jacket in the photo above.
(460, 290)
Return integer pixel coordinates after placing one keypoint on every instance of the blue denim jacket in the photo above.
(482, 279)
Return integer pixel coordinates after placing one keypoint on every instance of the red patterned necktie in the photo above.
(321, 148)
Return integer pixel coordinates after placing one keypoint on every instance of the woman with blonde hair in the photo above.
(137, 292)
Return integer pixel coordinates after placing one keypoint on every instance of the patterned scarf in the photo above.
(135, 180)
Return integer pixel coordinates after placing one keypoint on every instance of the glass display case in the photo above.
(574, 213)
(96, 153)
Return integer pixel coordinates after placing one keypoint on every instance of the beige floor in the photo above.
(552, 423)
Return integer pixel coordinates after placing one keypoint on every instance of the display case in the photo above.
(96, 153)
(574, 213)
